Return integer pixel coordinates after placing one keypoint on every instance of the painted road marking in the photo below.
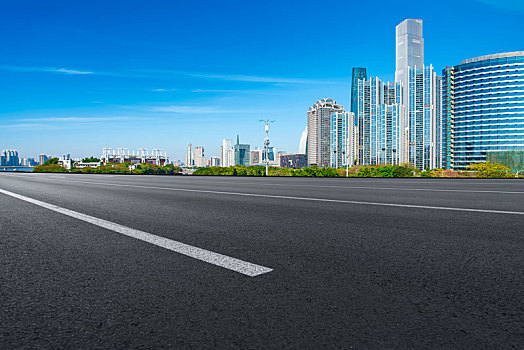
(301, 198)
(210, 257)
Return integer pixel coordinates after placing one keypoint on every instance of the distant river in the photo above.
(18, 168)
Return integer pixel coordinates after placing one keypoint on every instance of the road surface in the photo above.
(108, 261)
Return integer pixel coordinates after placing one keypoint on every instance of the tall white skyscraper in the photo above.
(189, 156)
(302, 149)
(418, 116)
(226, 159)
(409, 54)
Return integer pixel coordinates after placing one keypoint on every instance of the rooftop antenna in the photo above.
(266, 142)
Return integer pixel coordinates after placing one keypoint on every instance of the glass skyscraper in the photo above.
(379, 107)
(418, 122)
(484, 108)
(242, 153)
(356, 75)
(341, 139)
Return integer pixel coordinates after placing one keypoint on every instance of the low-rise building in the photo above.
(294, 161)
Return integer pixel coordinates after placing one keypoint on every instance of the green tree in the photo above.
(91, 160)
(489, 170)
(51, 161)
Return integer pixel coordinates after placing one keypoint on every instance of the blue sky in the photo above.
(77, 76)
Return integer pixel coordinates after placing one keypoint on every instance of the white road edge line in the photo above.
(210, 257)
(303, 198)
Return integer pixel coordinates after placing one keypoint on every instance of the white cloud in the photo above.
(163, 90)
(70, 71)
(241, 77)
(261, 79)
(43, 69)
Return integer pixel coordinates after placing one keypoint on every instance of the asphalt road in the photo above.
(95, 261)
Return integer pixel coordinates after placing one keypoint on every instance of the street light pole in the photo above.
(266, 142)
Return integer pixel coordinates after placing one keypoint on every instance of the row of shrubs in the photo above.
(480, 170)
(121, 168)
(313, 171)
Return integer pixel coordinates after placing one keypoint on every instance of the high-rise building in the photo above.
(199, 157)
(440, 125)
(43, 158)
(356, 75)
(242, 153)
(302, 148)
(421, 118)
(214, 161)
(418, 119)
(483, 108)
(190, 155)
(226, 153)
(378, 122)
(319, 121)
(342, 139)
(10, 158)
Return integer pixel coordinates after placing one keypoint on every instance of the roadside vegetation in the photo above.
(479, 170)
(121, 168)
(313, 171)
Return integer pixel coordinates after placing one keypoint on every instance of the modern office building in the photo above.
(214, 161)
(379, 108)
(422, 118)
(418, 125)
(295, 161)
(9, 157)
(43, 158)
(242, 154)
(342, 139)
(227, 153)
(440, 124)
(484, 108)
(189, 155)
(357, 74)
(199, 159)
(319, 121)
(302, 148)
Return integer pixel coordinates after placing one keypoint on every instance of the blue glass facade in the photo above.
(484, 108)
(357, 74)
(341, 138)
(379, 110)
(422, 117)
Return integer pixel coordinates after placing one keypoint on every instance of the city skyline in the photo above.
(84, 98)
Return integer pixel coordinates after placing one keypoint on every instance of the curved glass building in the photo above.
(483, 100)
